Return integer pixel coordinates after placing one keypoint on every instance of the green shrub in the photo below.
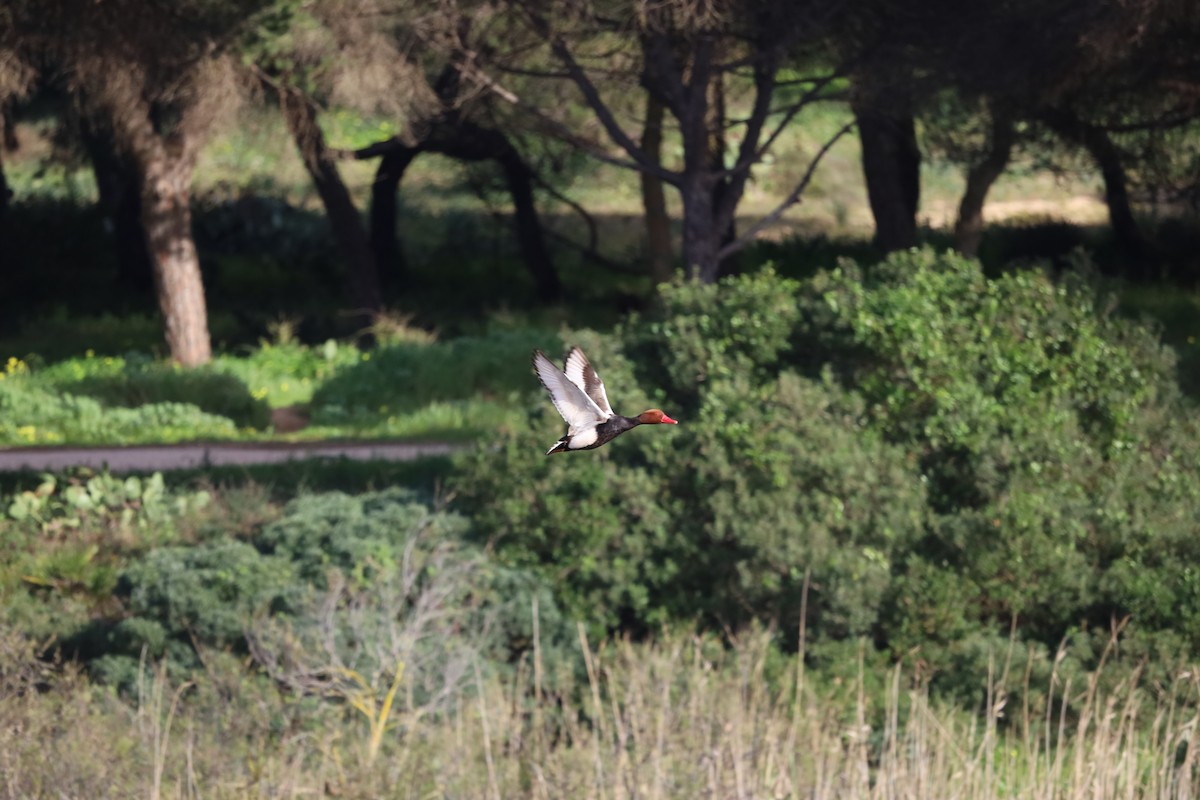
(372, 565)
(208, 591)
(948, 457)
(704, 333)
(355, 534)
(1058, 452)
(768, 476)
(287, 372)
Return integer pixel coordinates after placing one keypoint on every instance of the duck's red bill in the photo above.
(669, 421)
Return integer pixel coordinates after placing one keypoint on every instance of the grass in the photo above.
(680, 717)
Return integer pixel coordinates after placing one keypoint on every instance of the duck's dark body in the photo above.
(606, 431)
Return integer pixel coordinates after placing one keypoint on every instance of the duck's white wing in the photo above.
(579, 411)
(581, 373)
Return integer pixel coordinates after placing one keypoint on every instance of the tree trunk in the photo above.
(715, 124)
(701, 239)
(968, 229)
(1116, 196)
(1116, 187)
(164, 165)
(654, 202)
(529, 228)
(385, 243)
(348, 229)
(5, 192)
(167, 220)
(891, 162)
(469, 141)
(118, 183)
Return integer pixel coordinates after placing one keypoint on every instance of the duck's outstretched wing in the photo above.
(579, 410)
(581, 373)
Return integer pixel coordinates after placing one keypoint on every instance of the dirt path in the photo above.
(184, 456)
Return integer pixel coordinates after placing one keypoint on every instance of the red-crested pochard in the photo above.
(578, 394)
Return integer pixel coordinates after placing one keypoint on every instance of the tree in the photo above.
(158, 78)
(1103, 78)
(300, 54)
(451, 129)
(891, 161)
(683, 55)
(659, 254)
(300, 112)
(118, 185)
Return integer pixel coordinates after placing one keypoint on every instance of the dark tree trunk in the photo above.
(167, 220)
(701, 238)
(11, 142)
(891, 162)
(1116, 186)
(118, 183)
(348, 229)
(8, 141)
(968, 229)
(5, 192)
(654, 202)
(529, 228)
(703, 231)
(716, 163)
(385, 243)
(468, 141)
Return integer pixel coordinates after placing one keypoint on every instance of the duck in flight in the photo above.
(578, 394)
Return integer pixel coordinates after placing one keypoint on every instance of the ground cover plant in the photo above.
(407, 388)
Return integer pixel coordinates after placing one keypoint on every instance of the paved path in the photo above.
(149, 458)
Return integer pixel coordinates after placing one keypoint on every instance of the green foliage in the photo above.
(945, 455)
(1050, 432)
(208, 591)
(356, 535)
(706, 333)
(286, 372)
(769, 476)
(137, 381)
(377, 561)
(31, 413)
(412, 388)
(457, 384)
(66, 539)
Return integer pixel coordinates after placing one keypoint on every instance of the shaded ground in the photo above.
(149, 458)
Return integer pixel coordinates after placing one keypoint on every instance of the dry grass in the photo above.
(681, 718)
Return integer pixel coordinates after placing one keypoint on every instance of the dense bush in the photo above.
(364, 582)
(945, 456)
(769, 475)
(1056, 448)
(66, 539)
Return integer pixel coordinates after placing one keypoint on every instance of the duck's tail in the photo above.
(559, 447)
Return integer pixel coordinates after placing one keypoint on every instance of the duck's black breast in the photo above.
(611, 428)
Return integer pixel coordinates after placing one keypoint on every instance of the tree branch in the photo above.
(748, 235)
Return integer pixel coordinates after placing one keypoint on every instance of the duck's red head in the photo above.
(655, 417)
